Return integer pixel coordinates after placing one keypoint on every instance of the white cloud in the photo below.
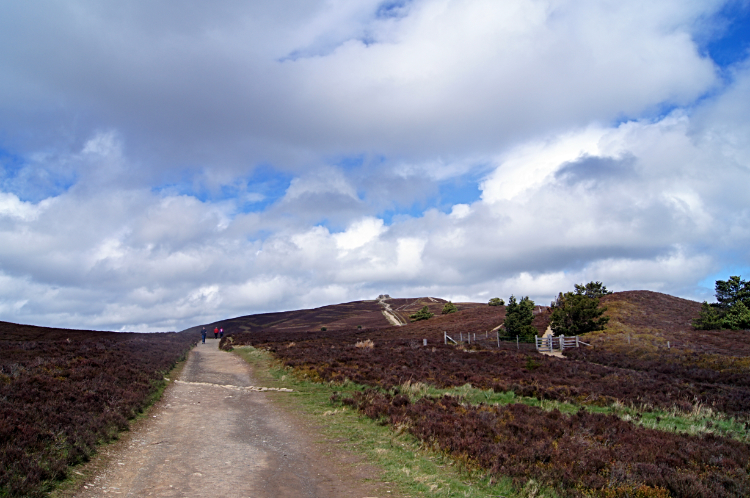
(460, 211)
(124, 209)
(529, 165)
(359, 233)
(210, 86)
(13, 207)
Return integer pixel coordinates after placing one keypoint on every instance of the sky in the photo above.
(165, 164)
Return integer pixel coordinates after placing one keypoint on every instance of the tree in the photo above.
(423, 314)
(737, 317)
(449, 308)
(710, 317)
(496, 301)
(731, 311)
(594, 290)
(518, 318)
(576, 314)
(728, 292)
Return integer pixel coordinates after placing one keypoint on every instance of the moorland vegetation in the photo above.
(62, 392)
(653, 408)
(658, 405)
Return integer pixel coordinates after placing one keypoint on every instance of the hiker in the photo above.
(216, 333)
(203, 334)
(221, 333)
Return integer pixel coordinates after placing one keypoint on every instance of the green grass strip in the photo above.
(701, 420)
(408, 466)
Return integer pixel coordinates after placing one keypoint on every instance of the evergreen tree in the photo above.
(518, 318)
(737, 317)
(731, 311)
(423, 314)
(731, 291)
(576, 314)
(594, 290)
(449, 308)
(710, 318)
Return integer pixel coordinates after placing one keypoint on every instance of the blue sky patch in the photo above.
(460, 190)
(391, 9)
(416, 210)
(252, 193)
(710, 281)
(31, 182)
(733, 42)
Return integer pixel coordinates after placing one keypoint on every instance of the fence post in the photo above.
(517, 348)
(424, 342)
(445, 337)
(562, 343)
(668, 347)
(498, 338)
(461, 336)
(536, 342)
(577, 342)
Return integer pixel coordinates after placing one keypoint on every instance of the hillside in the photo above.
(17, 332)
(653, 319)
(652, 408)
(474, 318)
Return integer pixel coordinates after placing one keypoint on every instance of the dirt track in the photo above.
(208, 440)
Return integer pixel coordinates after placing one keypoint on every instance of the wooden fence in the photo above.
(559, 343)
(547, 344)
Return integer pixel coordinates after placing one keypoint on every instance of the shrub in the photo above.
(496, 301)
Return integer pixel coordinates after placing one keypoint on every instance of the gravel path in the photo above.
(211, 436)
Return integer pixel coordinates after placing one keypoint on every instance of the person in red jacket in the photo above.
(216, 333)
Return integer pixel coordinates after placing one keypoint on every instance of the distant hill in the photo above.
(651, 310)
(345, 316)
(653, 319)
(475, 318)
(17, 332)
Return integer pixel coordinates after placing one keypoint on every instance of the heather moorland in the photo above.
(639, 411)
(62, 392)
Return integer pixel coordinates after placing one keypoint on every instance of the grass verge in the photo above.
(408, 466)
